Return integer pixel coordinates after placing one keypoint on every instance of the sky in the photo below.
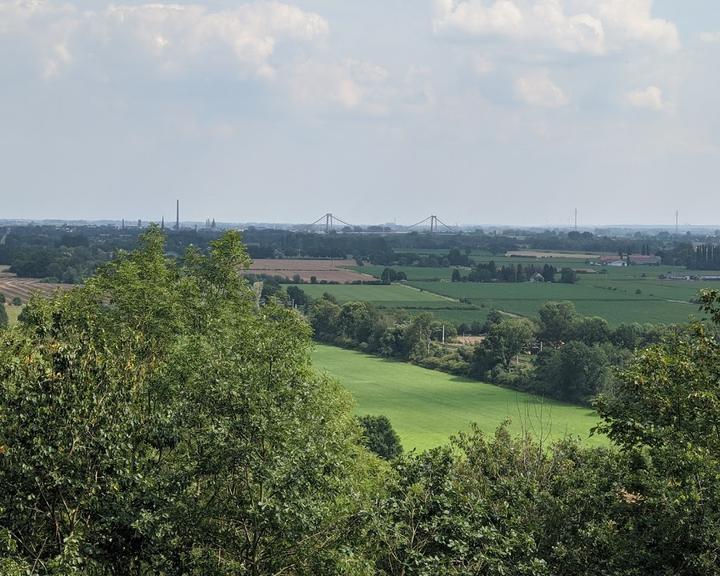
(479, 111)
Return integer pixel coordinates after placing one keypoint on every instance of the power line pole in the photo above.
(177, 215)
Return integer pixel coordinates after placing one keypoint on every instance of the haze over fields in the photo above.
(479, 111)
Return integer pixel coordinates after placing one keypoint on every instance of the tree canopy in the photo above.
(155, 421)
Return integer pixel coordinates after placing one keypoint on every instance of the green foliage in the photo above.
(390, 275)
(379, 437)
(507, 339)
(500, 506)
(568, 276)
(155, 422)
(17, 301)
(556, 321)
(591, 330)
(3, 317)
(663, 412)
(575, 372)
(297, 296)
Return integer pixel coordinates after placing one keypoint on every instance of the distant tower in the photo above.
(162, 223)
(139, 223)
(213, 224)
(123, 223)
(575, 219)
(177, 215)
(677, 222)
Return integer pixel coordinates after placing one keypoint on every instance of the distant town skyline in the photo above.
(512, 112)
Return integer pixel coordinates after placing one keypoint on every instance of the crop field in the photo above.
(24, 288)
(426, 407)
(412, 272)
(395, 293)
(618, 294)
(616, 302)
(328, 270)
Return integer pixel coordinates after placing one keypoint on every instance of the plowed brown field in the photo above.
(24, 288)
(328, 270)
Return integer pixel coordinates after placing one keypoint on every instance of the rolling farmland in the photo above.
(620, 295)
(616, 304)
(426, 407)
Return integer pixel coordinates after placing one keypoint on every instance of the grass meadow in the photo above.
(426, 407)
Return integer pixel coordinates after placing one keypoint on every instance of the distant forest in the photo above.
(70, 254)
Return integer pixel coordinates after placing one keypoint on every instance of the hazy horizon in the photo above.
(478, 111)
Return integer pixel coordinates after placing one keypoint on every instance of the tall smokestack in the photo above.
(177, 215)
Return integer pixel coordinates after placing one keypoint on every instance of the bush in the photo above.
(380, 437)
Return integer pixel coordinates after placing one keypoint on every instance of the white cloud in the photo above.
(650, 98)
(571, 26)
(537, 89)
(348, 84)
(178, 33)
(172, 36)
(710, 37)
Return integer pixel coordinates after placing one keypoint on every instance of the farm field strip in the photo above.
(412, 272)
(427, 407)
(24, 288)
(328, 270)
(395, 293)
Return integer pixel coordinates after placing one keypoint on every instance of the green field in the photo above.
(412, 272)
(426, 407)
(617, 302)
(396, 293)
(618, 294)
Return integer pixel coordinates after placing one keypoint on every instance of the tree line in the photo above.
(157, 421)
(560, 354)
(71, 253)
(491, 272)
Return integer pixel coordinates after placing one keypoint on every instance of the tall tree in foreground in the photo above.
(154, 421)
(665, 412)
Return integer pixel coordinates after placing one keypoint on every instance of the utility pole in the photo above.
(575, 219)
(177, 215)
